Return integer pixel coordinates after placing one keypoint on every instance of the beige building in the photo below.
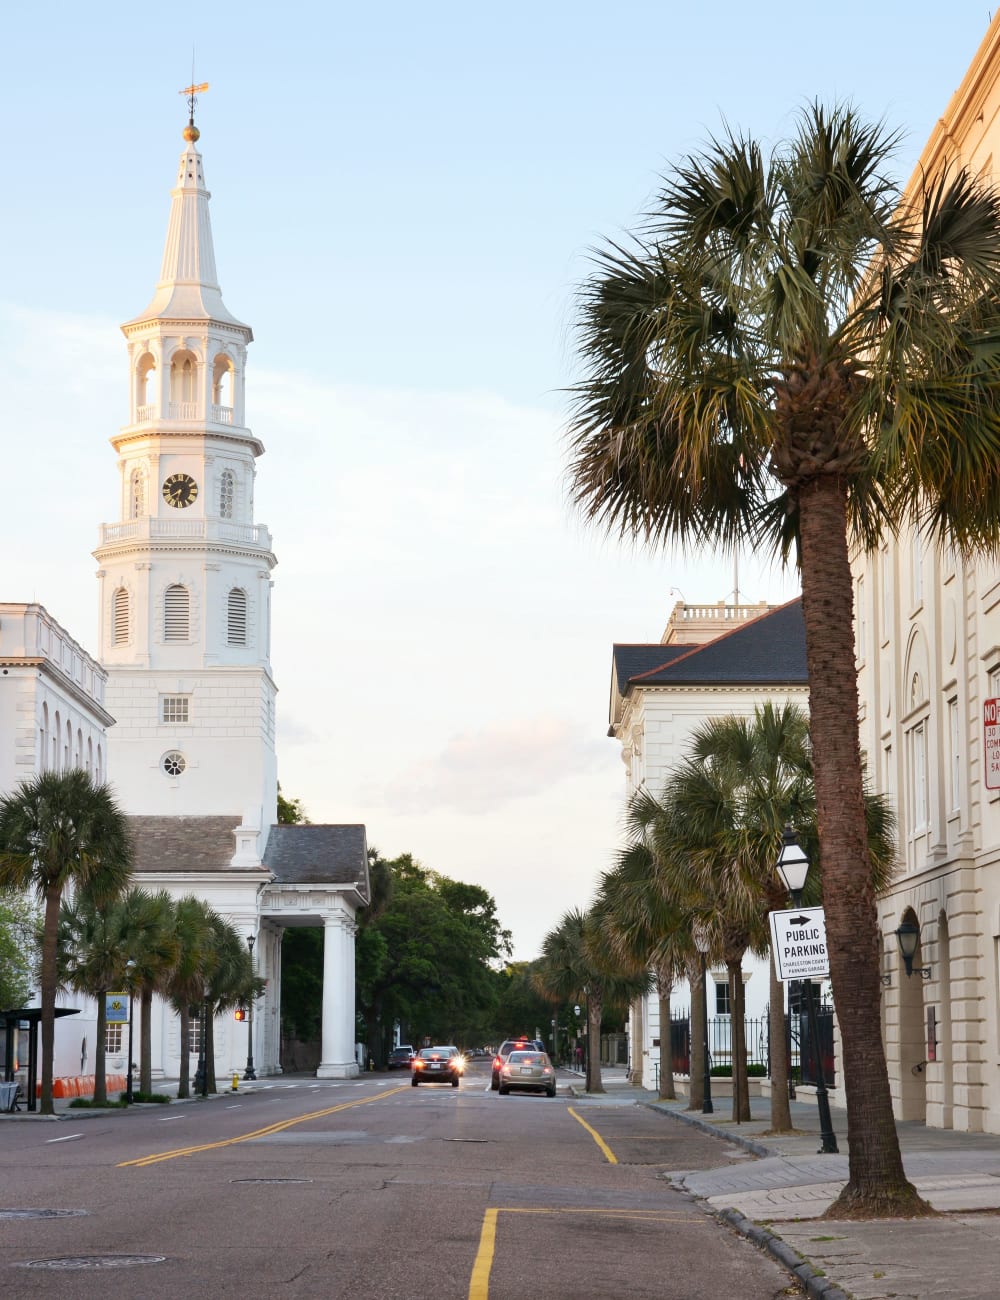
(928, 648)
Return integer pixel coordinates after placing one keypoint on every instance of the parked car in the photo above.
(527, 1070)
(509, 1045)
(400, 1057)
(438, 1065)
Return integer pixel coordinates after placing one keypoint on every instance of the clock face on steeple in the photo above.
(179, 490)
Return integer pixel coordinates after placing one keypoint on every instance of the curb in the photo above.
(748, 1144)
(817, 1286)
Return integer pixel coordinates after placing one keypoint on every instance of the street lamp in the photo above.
(908, 936)
(700, 934)
(130, 967)
(793, 867)
(248, 1073)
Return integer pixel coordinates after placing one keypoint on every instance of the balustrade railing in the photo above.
(148, 529)
(222, 414)
(183, 410)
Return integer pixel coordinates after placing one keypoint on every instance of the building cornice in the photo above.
(47, 668)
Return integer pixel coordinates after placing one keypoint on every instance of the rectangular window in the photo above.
(955, 738)
(918, 778)
(194, 1034)
(722, 1007)
(174, 708)
(113, 1039)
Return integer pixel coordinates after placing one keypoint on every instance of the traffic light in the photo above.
(241, 1013)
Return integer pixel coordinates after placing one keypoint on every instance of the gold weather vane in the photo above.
(190, 92)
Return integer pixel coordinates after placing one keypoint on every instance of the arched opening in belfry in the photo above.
(144, 388)
(183, 386)
(222, 389)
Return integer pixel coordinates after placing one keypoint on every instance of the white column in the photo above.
(337, 1060)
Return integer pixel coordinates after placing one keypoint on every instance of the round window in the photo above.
(174, 763)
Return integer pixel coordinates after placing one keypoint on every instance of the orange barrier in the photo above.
(82, 1085)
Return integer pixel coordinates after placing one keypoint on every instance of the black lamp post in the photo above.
(129, 973)
(793, 867)
(249, 1073)
(201, 1074)
(908, 936)
(700, 935)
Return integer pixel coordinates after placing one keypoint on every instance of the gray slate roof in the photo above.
(183, 843)
(769, 650)
(306, 855)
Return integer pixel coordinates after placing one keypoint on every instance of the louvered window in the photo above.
(176, 613)
(227, 494)
(119, 617)
(237, 617)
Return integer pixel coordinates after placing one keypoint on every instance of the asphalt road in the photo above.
(367, 1188)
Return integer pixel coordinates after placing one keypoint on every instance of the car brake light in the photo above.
(418, 1063)
(546, 1069)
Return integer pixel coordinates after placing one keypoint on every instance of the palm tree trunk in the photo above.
(594, 1015)
(146, 1042)
(100, 1053)
(877, 1183)
(696, 1039)
(210, 1047)
(667, 1090)
(738, 1028)
(184, 1082)
(50, 941)
(781, 1114)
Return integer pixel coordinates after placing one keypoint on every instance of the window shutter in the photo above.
(176, 613)
(237, 617)
(119, 617)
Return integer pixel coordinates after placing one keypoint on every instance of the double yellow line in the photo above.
(143, 1162)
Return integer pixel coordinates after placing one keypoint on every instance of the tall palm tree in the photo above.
(154, 949)
(576, 965)
(641, 925)
(792, 356)
(59, 829)
(191, 973)
(231, 977)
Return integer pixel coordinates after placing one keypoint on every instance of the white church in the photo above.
(177, 711)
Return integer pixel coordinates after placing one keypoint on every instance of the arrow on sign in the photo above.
(798, 920)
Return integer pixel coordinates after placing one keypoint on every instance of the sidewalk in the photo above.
(789, 1184)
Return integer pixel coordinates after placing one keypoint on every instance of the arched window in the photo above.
(227, 494)
(137, 494)
(90, 756)
(183, 386)
(119, 617)
(176, 613)
(45, 737)
(145, 406)
(236, 626)
(78, 752)
(99, 769)
(56, 742)
(222, 381)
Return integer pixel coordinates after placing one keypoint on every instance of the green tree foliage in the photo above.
(290, 811)
(18, 948)
(61, 829)
(426, 959)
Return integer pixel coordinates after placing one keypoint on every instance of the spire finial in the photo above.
(191, 132)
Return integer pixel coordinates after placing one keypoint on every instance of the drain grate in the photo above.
(270, 1180)
(42, 1214)
(68, 1262)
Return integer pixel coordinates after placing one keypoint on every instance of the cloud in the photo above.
(482, 771)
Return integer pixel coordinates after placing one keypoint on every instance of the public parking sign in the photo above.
(991, 743)
(799, 938)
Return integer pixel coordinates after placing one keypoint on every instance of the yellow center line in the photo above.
(479, 1283)
(609, 1155)
(142, 1162)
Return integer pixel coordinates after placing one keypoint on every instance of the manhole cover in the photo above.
(272, 1180)
(94, 1261)
(41, 1214)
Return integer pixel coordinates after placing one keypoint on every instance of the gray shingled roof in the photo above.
(769, 650)
(183, 843)
(306, 855)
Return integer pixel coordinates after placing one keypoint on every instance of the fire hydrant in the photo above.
(236, 1082)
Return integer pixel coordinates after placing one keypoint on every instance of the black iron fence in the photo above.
(802, 1054)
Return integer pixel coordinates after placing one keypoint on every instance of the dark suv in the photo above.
(512, 1045)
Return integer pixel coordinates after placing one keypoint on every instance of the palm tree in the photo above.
(191, 972)
(576, 965)
(61, 829)
(791, 356)
(154, 948)
(642, 926)
(231, 979)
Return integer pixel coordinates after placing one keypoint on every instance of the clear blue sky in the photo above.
(403, 202)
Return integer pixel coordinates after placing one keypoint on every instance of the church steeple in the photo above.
(185, 571)
(188, 288)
